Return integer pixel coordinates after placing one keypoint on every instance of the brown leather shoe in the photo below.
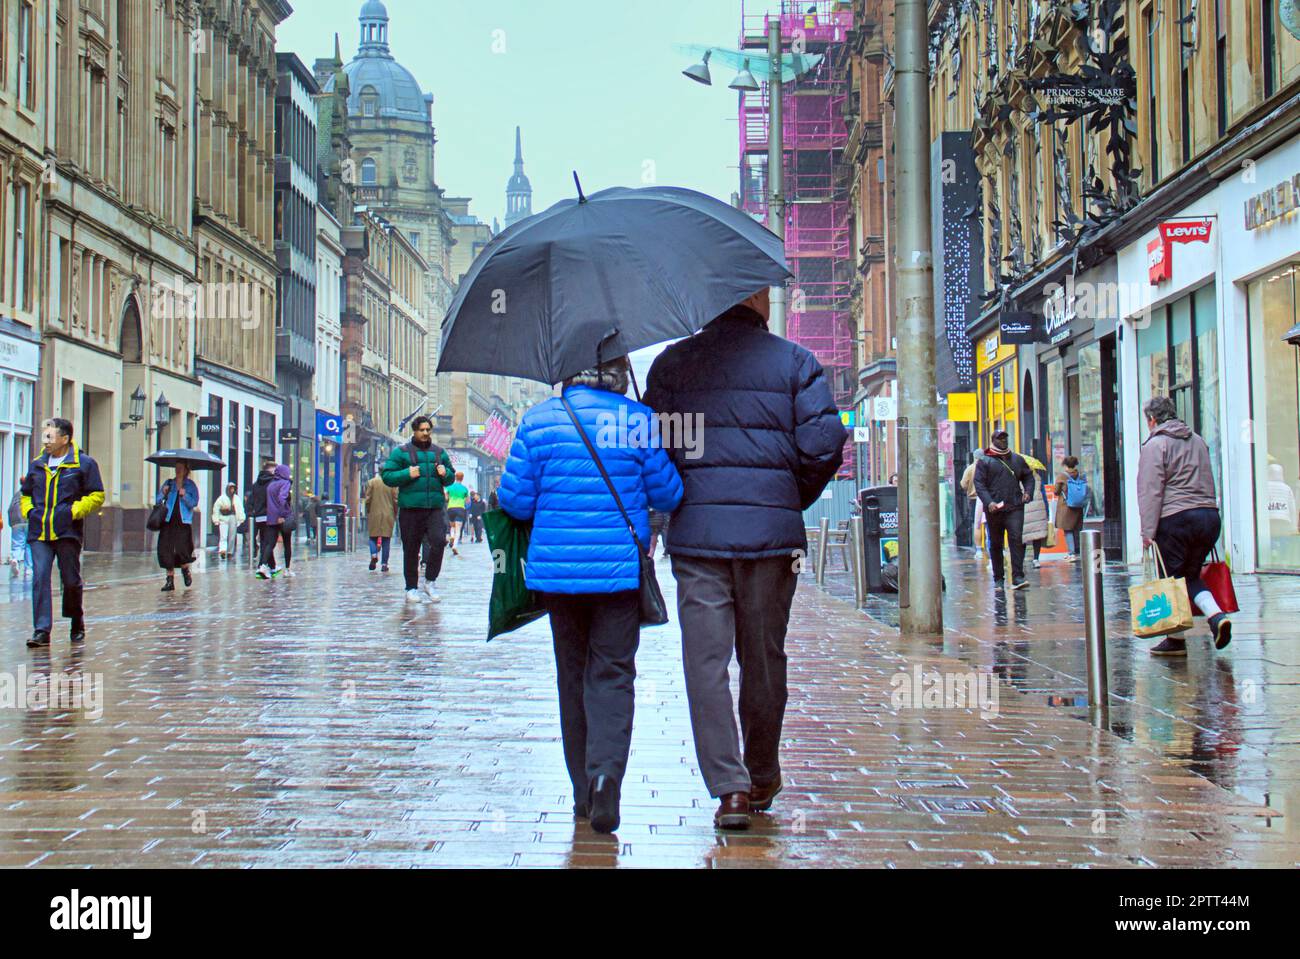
(733, 812)
(761, 797)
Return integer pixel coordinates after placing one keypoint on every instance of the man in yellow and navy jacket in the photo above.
(60, 490)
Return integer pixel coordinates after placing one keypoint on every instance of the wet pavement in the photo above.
(1232, 716)
(318, 721)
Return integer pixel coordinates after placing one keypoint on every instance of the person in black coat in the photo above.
(1005, 483)
(769, 440)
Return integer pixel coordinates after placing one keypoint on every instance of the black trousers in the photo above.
(418, 527)
(67, 553)
(478, 528)
(596, 637)
(1185, 540)
(268, 534)
(1012, 523)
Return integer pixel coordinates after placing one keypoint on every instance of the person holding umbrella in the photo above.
(583, 560)
(180, 495)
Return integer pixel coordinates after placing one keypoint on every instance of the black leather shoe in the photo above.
(603, 803)
(374, 561)
(762, 797)
(733, 811)
(1221, 628)
(169, 586)
(39, 638)
(185, 575)
(78, 631)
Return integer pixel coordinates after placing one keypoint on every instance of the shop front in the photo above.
(1070, 399)
(20, 364)
(249, 416)
(996, 370)
(1219, 337)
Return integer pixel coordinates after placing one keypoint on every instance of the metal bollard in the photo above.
(320, 534)
(822, 544)
(859, 573)
(1094, 620)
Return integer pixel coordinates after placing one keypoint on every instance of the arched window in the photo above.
(369, 101)
(131, 343)
(369, 172)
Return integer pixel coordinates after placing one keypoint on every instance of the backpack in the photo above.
(1076, 493)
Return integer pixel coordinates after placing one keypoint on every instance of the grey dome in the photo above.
(373, 68)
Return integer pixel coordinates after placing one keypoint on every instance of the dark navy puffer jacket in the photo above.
(771, 438)
(580, 543)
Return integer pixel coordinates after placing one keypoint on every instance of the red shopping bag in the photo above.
(1218, 579)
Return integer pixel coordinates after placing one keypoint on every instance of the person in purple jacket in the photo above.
(279, 522)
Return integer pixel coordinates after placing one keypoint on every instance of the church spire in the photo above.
(519, 192)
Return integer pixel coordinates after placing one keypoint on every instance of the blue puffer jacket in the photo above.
(772, 438)
(580, 543)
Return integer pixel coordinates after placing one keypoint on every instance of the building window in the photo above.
(20, 246)
(1275, 400)
(1268, 23)
(369, 102)
(369, 172)
(1184, 74)
(1221, 61)
(1153, 109)
(26, 52)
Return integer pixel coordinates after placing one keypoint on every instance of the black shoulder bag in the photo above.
(653, 610)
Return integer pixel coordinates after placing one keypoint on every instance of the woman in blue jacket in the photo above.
(583, 561)
(176, 539)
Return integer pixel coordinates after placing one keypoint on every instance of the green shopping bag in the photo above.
(513, 604)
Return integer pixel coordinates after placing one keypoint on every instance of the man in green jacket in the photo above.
(421, 471)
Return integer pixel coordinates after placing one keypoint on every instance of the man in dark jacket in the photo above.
(1005, 483)
(255, 507)
(60, 490)
(420, 470)
(771, 441)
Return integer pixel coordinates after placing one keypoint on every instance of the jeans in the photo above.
(19, 551)
(740, 605)
(68, 554)
(420, 526)
(378, 544)
(595, 637)
(1012, 523)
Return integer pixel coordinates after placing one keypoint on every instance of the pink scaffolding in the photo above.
(817, 209)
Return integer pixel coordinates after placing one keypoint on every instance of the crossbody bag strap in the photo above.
(591, 448)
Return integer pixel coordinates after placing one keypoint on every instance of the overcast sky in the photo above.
(596, 86)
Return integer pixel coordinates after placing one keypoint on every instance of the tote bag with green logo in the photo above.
(1160, 605)
(513, 604)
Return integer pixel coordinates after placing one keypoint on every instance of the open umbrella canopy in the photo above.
(596, 277)
(195, 459)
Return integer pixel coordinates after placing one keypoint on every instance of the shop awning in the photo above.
(1293, 335)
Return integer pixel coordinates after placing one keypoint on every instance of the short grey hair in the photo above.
(613, 375)
(1161, 409)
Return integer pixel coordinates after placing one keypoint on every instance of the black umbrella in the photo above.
(596, 277)
(194, 459)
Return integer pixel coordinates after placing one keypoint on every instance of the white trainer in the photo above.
(414, 596)
(431, 592)
(263, 572)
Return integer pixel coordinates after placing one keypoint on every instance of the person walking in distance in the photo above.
(476, 510)
(1180, 512)
(176, 538)
(279, 520)
(1005, 483)
(456, 496)
(582, 559)
(774, 441)
(420, 471)
(20, 554)
(1071, 500)
(1035, 529)
(62, 487)
(227, 517)
(381, 515)
(255, 507)
(493, 500)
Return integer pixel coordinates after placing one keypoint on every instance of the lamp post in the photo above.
(162, 415)
(745, 83)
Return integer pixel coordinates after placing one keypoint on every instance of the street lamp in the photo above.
(162, 414)
(138, 399)
(782, 68)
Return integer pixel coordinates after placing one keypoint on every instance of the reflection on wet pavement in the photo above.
(319, 721)
(1232, 716)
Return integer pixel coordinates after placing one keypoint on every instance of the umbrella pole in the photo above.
(632, 374)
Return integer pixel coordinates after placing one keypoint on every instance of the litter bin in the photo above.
(332, 536)
(880, 532)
